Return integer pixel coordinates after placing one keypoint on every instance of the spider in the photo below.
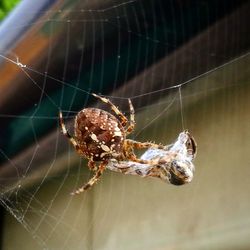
(100, 136)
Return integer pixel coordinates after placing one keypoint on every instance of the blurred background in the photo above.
(184, 64)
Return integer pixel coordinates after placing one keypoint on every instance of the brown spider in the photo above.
(100, 136)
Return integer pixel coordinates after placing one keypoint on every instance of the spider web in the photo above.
(42, 214)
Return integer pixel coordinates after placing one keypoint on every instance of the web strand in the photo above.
(181, 108)
(132, 96)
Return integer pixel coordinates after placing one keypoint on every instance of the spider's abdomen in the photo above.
(99, 134)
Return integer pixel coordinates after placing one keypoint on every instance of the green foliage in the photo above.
(2, 14)
(6, 6)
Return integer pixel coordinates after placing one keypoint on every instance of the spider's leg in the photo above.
(93, 180)
(131, 126)
(66, 133)
(130, 155)
(92, 166)
(123, 118)
(140, 145)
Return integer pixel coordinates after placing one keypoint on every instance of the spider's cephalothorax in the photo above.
(100, 136)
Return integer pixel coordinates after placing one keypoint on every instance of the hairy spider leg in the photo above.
(66, 133)
(140, 145)
(124, 120)
(91, 164)
(93, 180)
(130, 155)
(131, 125)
